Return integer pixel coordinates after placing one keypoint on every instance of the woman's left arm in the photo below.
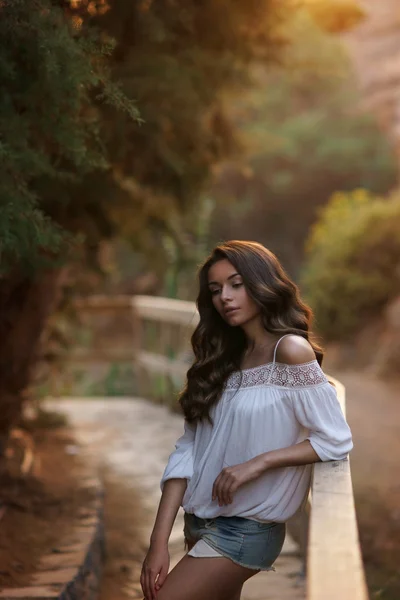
(292, 456)
(317, 408)
(329, 438)
(232, 478)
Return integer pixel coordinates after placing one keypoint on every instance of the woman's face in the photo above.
(229, 294)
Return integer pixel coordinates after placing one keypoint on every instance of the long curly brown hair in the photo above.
(218, 347)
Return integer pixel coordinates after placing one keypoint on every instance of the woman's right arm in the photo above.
(156, 562)
(173, 485)
(171, 500)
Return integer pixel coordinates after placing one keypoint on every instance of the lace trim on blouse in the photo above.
(278, 374)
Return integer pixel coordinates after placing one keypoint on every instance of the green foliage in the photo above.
(64, 69)
(178, 59)
(352, 269)
(72, 163)
(51, 69)
(306, 138)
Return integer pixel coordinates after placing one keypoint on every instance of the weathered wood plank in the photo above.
(335, 569)
(103, 302)
(161, 364)
(167, 310)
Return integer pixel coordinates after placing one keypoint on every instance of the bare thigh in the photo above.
(205, 579)
(238, 593)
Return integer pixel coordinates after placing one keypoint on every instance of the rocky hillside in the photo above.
(374, 46)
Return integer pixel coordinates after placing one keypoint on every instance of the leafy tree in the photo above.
(352, 267)
(52, 73)
(72, 164)
(179, 59)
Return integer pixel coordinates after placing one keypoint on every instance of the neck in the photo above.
(257, 336)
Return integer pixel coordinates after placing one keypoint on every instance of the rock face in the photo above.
(374, 46)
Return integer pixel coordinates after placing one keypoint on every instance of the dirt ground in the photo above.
(123, 516)
(37, 509)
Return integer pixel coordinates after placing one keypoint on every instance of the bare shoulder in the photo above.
(294, 350)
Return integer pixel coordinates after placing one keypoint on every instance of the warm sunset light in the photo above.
(199, 299)
(336, 16)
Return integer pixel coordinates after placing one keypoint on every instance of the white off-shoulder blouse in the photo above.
(261, 409)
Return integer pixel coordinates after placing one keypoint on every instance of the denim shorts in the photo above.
(248, 543)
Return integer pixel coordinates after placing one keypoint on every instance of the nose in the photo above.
(226, 294)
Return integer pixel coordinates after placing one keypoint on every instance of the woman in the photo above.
(258, 412)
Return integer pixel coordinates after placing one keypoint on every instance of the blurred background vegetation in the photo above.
(137, 135)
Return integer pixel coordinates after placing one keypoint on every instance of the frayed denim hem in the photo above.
(232, 559)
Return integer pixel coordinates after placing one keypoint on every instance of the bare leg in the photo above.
(205, 579)
(236, 596)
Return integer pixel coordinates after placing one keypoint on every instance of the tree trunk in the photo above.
(25, 304)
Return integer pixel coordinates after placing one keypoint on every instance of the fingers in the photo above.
(222, 493)
(147, 581)
(151, 579)
(218, 488)
(149, 595)
(226, 493)
(214, 488)
(223, 488)
(142, 583)
(161, 578)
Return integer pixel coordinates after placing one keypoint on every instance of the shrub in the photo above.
(353, 261)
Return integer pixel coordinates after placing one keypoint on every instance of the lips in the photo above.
(228, 311)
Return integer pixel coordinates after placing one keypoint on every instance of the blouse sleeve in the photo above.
(180, 462)
(318, 409)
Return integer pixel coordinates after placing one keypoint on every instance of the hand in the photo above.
(155, 563)
(231, 478)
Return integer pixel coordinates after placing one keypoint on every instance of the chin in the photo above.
(244, 320)
(233, 324)
(236, 322)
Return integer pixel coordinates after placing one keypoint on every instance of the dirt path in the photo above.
(373, 411)
(132, 439)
